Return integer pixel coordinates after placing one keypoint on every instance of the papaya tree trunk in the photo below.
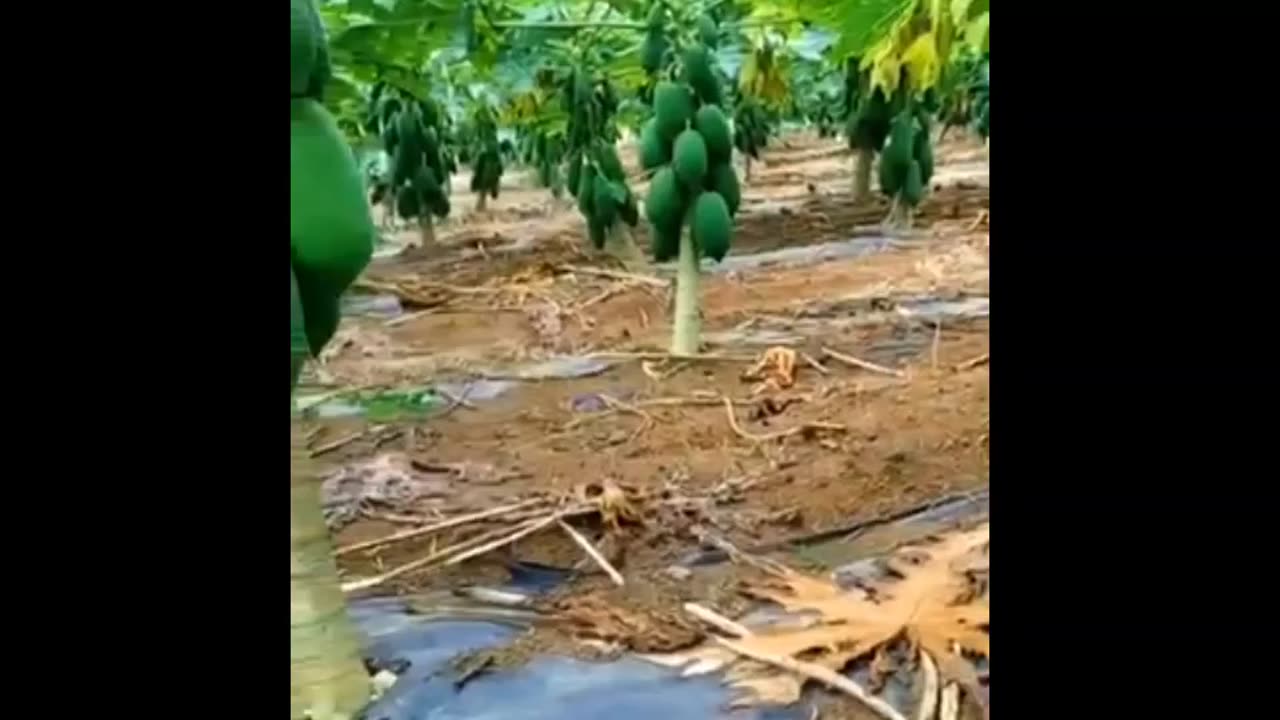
(621, 245)
(687, 328)
(427, 227)
(482, 202)
(862, 174)
(389, 210)
(986, 147)
(746, 169)
(327, 676)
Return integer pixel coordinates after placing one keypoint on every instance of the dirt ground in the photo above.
(500, 292)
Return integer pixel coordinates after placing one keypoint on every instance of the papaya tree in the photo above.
(902, 48)
(479, 134)
(415, 136)
(687, 144)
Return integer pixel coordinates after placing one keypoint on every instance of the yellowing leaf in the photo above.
(940, 605)
(921, 61)
(978, 33)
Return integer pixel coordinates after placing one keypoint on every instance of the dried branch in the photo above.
(737, 429)
(437, 527)
(860, 363)
(971, 363)
(594, 554)
(717, 621)
(615, 275)
(827, 677)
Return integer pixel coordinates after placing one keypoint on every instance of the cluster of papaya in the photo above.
(308, 51)
(750, 127)
(542, 150)
(689, 145)
(413, 133)
(485, 154)
(595, 175)
(906, 164)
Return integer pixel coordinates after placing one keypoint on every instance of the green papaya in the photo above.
(722, 179)
(712, 125)
(712, 226)
(924, 154)
(304, 45)
(901, 141)
(321, 309)
(707, 31)
(408, 202)
(629, 211)
(654, 150)
(331, 232)
(891, 176)
(610, 163)
(664, 242)
(672, 109)
(604, 205)
(689, 159)
(575, 173)
(389, 139)
(597, 231)
(586, 191)
(913, 185)
(664, 205)
(426, 184)
(652, 50)
(698, 74)
(299, 348)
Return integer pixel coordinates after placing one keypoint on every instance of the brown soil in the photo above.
(499, 301)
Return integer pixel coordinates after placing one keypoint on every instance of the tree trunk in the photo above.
(621, 245)
(327, 676)
(901, 215)
(482, 202)
(427, 228)
(862, 174)
(746, 169)
(686, 329)
(389, 210)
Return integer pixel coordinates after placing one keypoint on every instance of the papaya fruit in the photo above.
(426, 184)
(672, 109)
(408, 202)
(610, 163)
(707, 31)
(331, 232)
(913, 185)
(321, 309)
(596, 232)
(924, 153)
(722, 179)
(891, 176)
(586, 191)
(304, 45)
(901, 141)
(689, 159)
(698, 74)
(629, 211)
(654, 150)
(604, 205)
(712, 125)
(665, 204)
(575, 173)
(299, 348)
(652, 50)
(664, 242)
(711, 225)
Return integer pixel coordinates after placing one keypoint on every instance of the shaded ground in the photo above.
(496, 298)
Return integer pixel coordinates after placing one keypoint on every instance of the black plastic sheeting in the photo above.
(422, 652)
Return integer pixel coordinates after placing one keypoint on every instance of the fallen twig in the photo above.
(827, 677)
(614, 274)
(436, 527)
(707, 357)
(860, 363)
(737, 429)
(811, 362)
(336, 444)
(528, 529)
(717, 621)
(971, 363)
(420, 563)
(937, 340)
(594, 554)
(928, 707)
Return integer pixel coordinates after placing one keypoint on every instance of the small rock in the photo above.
(678, 572)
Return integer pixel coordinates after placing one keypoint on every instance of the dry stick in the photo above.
(928, 707)
(420, 563)
(709, 357)
(971, 363)
(737, 429)
(340, 442)
(864, 364)
(614, 274)
(436, 527)
(811, 362)
(827, 677)
(717, 621)
(590, 550)
(530, 528)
